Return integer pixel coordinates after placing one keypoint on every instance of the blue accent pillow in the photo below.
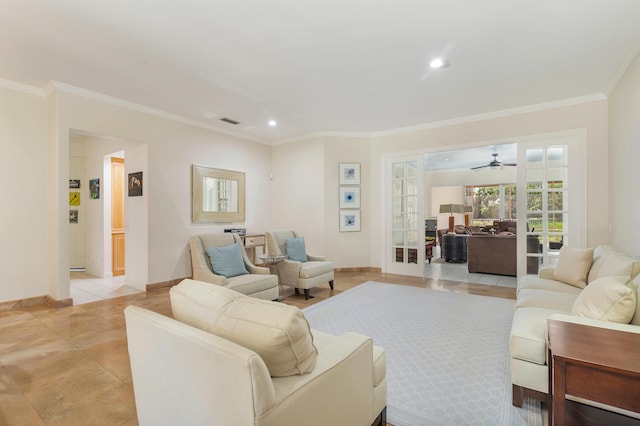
(296, 250)
(227, 261)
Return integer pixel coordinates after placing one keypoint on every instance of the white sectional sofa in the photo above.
(608, 299)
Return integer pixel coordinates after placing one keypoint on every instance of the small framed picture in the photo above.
(349, 197)
(74, 183)
(73, 216)
(349, 220)
(349, 173)
(135, 184)
(94, 189)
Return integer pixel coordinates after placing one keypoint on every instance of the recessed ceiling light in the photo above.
(273, 123)
(439, 63)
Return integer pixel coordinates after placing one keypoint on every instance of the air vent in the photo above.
(230, 121)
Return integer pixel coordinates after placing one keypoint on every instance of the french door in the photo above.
(404, 242)
(552, 180)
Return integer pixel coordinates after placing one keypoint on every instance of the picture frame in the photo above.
(349, 220)
(94, 189)
(73, 216)
(134, 184)
(349, 197)
(349, 173)
(74, 183)
(74, 198)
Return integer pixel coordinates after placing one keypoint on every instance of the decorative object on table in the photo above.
(349, 197)
(134, 184)
(94, 189)
(349, 220)
(349, 174)
(74, 183)
(74, 198)
(73, 216)
(451, 209)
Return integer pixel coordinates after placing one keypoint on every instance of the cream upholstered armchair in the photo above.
(305, 274)
(256, 283)
(223, 360)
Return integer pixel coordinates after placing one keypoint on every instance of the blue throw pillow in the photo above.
(296, 250)
(227, 261)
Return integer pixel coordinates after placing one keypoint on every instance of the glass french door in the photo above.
(554, 187)
(404, 253)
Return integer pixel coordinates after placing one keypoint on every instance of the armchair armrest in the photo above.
(289, 272)
(253, 269)
(315, 258)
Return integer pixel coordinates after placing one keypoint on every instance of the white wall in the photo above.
(24, 185)
(446, 195)
(624, 152)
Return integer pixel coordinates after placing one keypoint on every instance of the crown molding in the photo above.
(496, 114)
(54, 86)
(22, 87)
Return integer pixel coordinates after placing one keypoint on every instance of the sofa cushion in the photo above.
(296, 249)
(538, 283)
(607, 298)
(279, 333)
(573, 266)
(550, 299)
(611, 264)
(227, 260)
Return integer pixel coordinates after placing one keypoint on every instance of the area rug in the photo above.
(447, 353)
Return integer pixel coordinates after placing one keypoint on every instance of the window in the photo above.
(492, 202)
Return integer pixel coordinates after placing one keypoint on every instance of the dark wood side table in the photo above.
(592, 363)
(428, 250)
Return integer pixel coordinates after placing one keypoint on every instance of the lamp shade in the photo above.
(452, 208)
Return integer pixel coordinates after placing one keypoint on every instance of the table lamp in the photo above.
(451, 209)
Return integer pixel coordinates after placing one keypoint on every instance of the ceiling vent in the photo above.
(230, 121)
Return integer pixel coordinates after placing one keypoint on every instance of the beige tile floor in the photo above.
(85, 288)
(70, 366)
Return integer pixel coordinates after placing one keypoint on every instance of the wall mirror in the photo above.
(217, 195)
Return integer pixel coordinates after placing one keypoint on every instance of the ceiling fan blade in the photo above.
(479, 167)
(509, 164)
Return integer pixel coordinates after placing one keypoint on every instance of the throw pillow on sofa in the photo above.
(573, 266)
(608, 299)
(227, 261)
(278, 333)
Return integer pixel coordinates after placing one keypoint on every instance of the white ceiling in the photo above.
(321, 66)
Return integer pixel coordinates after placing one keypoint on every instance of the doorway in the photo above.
(117, 217)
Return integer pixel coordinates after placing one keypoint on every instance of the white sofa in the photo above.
(541, 297)
(185, 373)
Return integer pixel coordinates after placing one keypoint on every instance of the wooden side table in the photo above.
(428, 250)
(251, 241)
(593, 363)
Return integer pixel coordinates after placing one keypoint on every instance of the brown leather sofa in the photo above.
(492, 254)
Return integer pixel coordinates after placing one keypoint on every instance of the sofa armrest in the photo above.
(631, 328)
(546, 273)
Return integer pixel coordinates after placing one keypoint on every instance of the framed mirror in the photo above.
(217, 195)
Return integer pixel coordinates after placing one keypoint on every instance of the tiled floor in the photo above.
(439, 269)
(85, 288)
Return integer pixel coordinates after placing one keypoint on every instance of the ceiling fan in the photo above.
(494, 164)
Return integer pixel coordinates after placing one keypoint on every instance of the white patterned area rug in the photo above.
(447, 353)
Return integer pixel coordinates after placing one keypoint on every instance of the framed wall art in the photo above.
(74, 183)
(349, 197)
(94, 189)
(349, 173)
(349, 220)
(134, 183)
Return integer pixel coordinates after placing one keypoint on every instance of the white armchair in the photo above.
(300, 275)
(184, 374)
(257, 283)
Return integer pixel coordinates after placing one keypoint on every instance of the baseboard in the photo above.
(165, 284)
(360, 269)
(14, 305)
